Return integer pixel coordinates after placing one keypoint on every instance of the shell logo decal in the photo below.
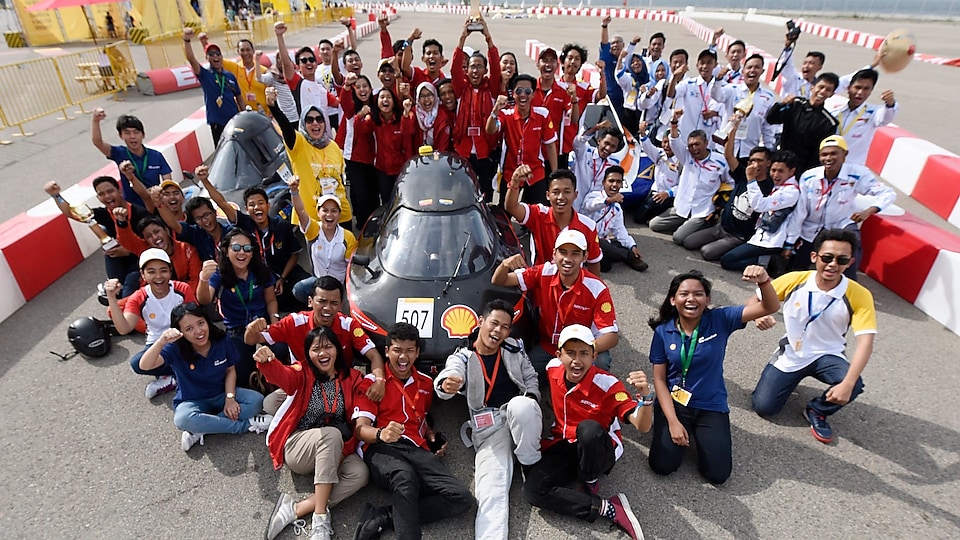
(459, 321)
(358, 332)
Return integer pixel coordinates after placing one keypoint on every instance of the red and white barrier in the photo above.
(911, 257)
(865, 39)
(25, 270)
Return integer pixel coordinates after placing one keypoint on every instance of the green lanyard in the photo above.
(141, 171)
(236, 290)
(221, 80)
(686, 356)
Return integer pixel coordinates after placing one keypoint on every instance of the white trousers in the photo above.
(517, 432)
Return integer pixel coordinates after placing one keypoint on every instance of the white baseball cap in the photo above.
(326, 198)
(578, 332)
(153, 254)
(571, 236)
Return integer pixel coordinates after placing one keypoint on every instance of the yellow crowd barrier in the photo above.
(166, 50)
(35, 88)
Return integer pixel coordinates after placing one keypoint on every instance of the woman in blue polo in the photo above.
(687, 352)
(204, 362)
(244, 288)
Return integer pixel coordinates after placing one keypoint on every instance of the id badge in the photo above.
(798, 345)
(328, 186)
(219, 101)
(251, 97)
(566, 120)
(483, 420)
(680, 395)
(473, 131)
(285, 173)
(742, 130)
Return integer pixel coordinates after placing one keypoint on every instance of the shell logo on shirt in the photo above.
(459, 320)
(296, 366)
(606, 307)
(621, 396)
(358, 332)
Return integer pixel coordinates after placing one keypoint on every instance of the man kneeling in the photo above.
(502, 394)
(402, 450)
(584, 443)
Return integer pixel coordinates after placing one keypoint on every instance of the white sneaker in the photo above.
(187, 440)
(322, 530)
(161, 385)
(283, 514)
(260, 423)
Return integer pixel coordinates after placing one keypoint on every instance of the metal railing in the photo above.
(166, 50)
(35, 88)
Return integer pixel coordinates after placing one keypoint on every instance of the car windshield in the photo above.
(424, 245)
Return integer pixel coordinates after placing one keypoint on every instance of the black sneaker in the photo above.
(373, 521)
(818, 425)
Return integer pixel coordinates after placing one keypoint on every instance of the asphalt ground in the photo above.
(85, 456)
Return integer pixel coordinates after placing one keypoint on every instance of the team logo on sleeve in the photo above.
(606, 307)
(621, 396)
(358, 332)
(296, 366)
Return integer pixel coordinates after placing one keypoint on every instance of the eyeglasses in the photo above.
(246, 248)
(307, 60)
(205, 216)
(523, 91)
(183, 309)
(828, 258)
(312, 119)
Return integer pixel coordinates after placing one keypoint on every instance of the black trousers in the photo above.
(711, 432)
(422, 488)
(613, 251)
(216, 130)
(650, 209)
(364, 190)
(564, 462)
(385, 185)
(486, 170)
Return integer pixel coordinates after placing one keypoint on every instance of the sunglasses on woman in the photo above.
(312, 119)
(308, 60)
(828, 258)
(189, 307)
(237, 248)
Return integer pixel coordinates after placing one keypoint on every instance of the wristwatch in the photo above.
(231, 395)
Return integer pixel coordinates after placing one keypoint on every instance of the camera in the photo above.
(793, 31)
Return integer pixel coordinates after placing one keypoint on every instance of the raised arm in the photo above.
(53, 189)
(124, 322)
(202, 173)
(289, 68)
(511, 202)
(188, 51)
(96, 137)
(287, 128)
(769, 302)
(298, 206)
(406, 60)
(205, 292)
(493, 123)
(504, 275)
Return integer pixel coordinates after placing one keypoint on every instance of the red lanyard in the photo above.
(603, 167)
(704, 97)
(415, 401)
(561, 317)
(489, 378)
(825, 192)
(331, 407)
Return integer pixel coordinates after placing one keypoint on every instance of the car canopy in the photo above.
(436, 182)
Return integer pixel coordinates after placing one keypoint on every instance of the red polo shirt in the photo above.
(599, 396)
(404, 402)
(293, 330)
(587, 302)
(585, 95)
(543, 228)
(420, 75)
(524, 140)
(556, 100)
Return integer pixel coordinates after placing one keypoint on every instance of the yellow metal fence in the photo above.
(36, 88)
(166, 50)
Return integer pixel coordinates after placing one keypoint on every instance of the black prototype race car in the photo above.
(426, 257)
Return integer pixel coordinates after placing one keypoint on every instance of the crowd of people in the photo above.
(251, 341)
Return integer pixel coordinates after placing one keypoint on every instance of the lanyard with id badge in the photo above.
(485, 418)
(798, 346)
(679, 392)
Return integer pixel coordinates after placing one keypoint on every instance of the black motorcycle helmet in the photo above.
(89, 337)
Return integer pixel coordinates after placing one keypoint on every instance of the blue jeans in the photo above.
(119, 267)
(159, 371)
(744, 255)
(206, 415)
(775, 386)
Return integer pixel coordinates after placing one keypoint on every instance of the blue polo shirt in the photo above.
(614, 92)
(223, 85)
(201, 377)
(277, 243)
(705, 376)
(243, 302)
(194, 235)
(149, 168)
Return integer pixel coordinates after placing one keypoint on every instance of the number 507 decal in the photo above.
(418, 312)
